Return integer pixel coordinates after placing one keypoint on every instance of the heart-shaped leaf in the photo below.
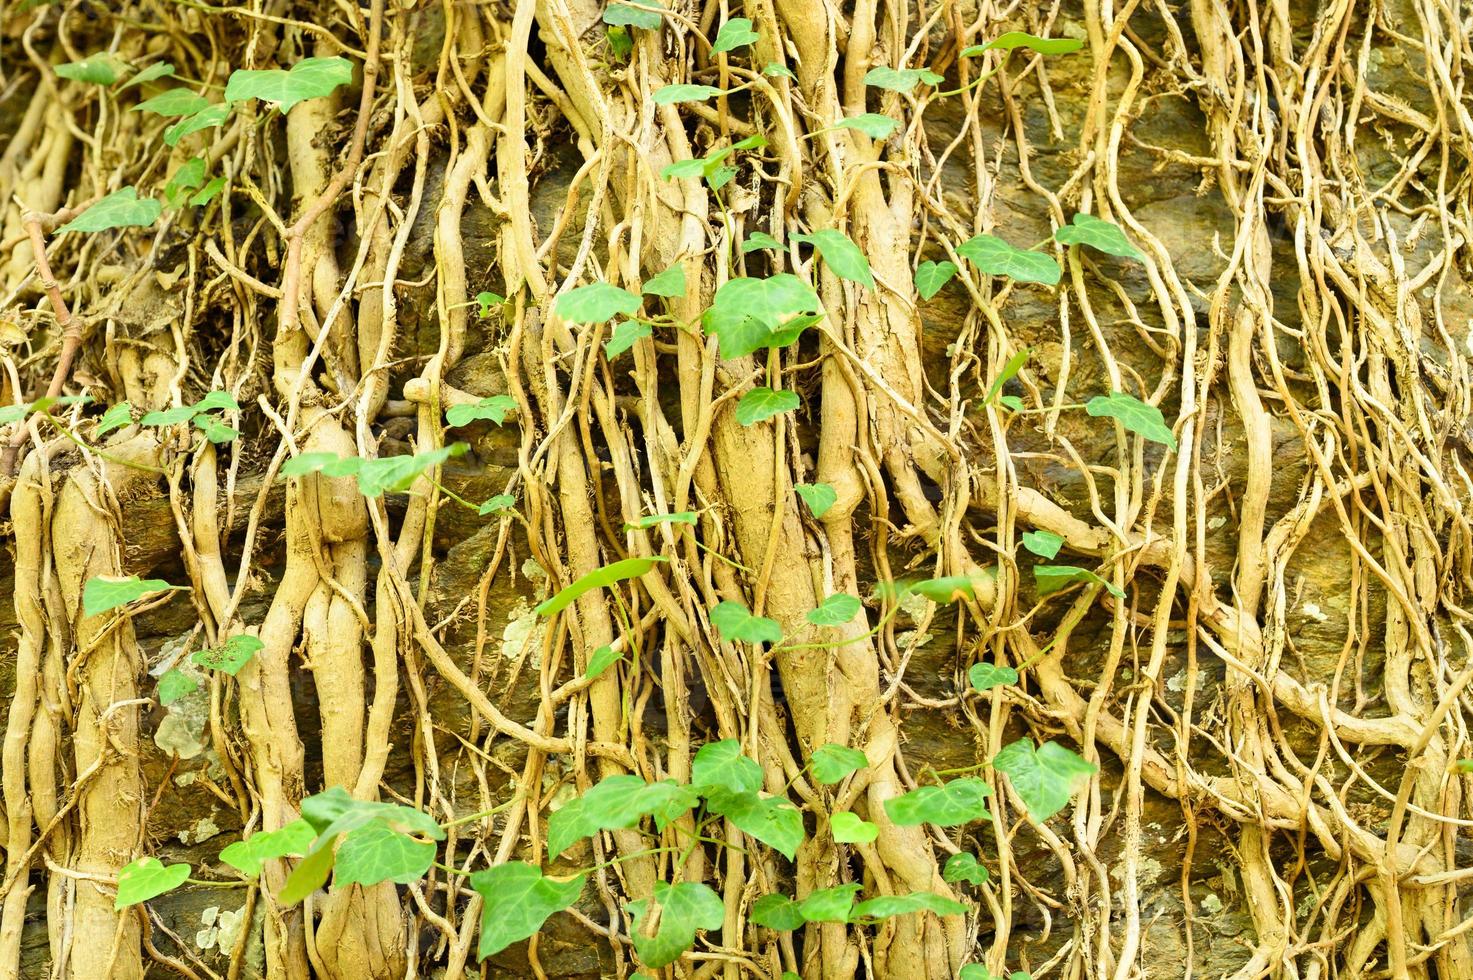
(215, 115)
(931, 276)
(103, 593)
(497, 504)
(492, 409)
(518, 899)
(835, 610)
(1100, 235)
(1044, 544)
(949, 805)
(378, 853)
(887, 906)
(770, 819)
(626, 332)
(872, 124)
(1051, 578)
(750, 314)
(1137, 416)
(776, 912)
(842, 256)
(116, 417)
(1021, 39)
(761, 404)
(985, 676)
(818, 496)
(310, 78)
(654, 520)
(595, 303)
(1045, 778)
(721, 765)
(684, 909)
(231, 655)
(617, 802)
(901, 79)
(172, 103)
(737, 625)
(175, 684)
(247, 856)
(601, 660)
(964, 867)
(996, 257)
(99, 69)
(829, 904)
(155, 71)
(487, 301)
(848, 828)
(397, 473)
(673, 94)
(832, 762)
(760, 239)
(147, 878)
(735, 33)
(627, 15)
(670, 283)
(120, 209)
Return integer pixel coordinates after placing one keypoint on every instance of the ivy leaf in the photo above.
(497, 504)
(684, 168)
(377, 853)
(670, 283)
(624, 15)
(760, 239)
(1044, 779)
(1137, 416)
(602, 659)
(842, 256)
(776, 70)
(120, 209)
(595, 303)
(492, 409)
(965, 867)
(1100, 235)
(100, 69)
(215, 431)
(116, 417)
(1021, 39)
(1011, 401)
(103, 593)
(776, 912)
(1009, 371)
(328, 464)
(947, 588)
(977, 971)
(872, 124)
(721, 765)
(762, 403)
(146, 878)
(674, 94)
(684, 909)
(231, 655)
(169, 416)
(335, 811)
(735, 33)
(215, 115)
(626, 332)
(831, 762)
(208, 192)
(486, 301)
(654, 520)
(887, 906)
(996, 257)
(1051, 578)
(155, 71)
(1044, 544)
(848, 828)
(900, 79)
(617, 802)
(749, 314)
(185, 179)
(835, 610)
(770, 819)
(518, 899)
(818, 496)
(737, 625)
(599, 578)
(949, 805)
(830, 904)
(985, 676)
(396, 473)
(174, 685)
(719, 177)
(931, 276)
(247, 856)
(172, 103)
(310, 78)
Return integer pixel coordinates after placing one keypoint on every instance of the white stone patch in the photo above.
(1313, 611)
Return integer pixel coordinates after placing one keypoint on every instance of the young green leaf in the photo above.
(601, 660)
(231, 655)
(762, 403)
(684, 168)
(776, 912)
(721, 765)
(985, 676)
(947, 588)
(215, 431)
(595, 303)
(172, 103)
(617, 802)
(1137, 416)
(654, 520)
(1009, 371)
(818, 496)
(848, 828)
(175, 684)
(1100, 235)
(619, 14)
(843, 257)
(1021, 39)
(147, 878)
(334, 813)
(1051, 578)
(222, 401)
(1045, 779)
(493, 409)
(397, 473)
(776, 70)
(737, 625)
(931, 276)
(872, 124)
(949, 805)
(1044, 544)
(626, 332)
(900, 79)
(100, 69)
(887, 906)
(670, 283)
(719, 177)
(684, 909)
(830, 904)
(497, 504)
(155, 71)
(207, 193)
(518, 900)
(103, 593)
(328, 464)
(1012, 402)
(835, 610)
(831, 762)
(750, 314)
(247, 856)
(977, 971)
(310, 78)
(185, 179)
(964, 867)
(116, 417)
(760, 239)
(673, 94)
(770, 819)
(599, 578)
(996, 257)
(735, 33)
(120, 209)
(215, 115)
(169, 416)
(377, 853)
